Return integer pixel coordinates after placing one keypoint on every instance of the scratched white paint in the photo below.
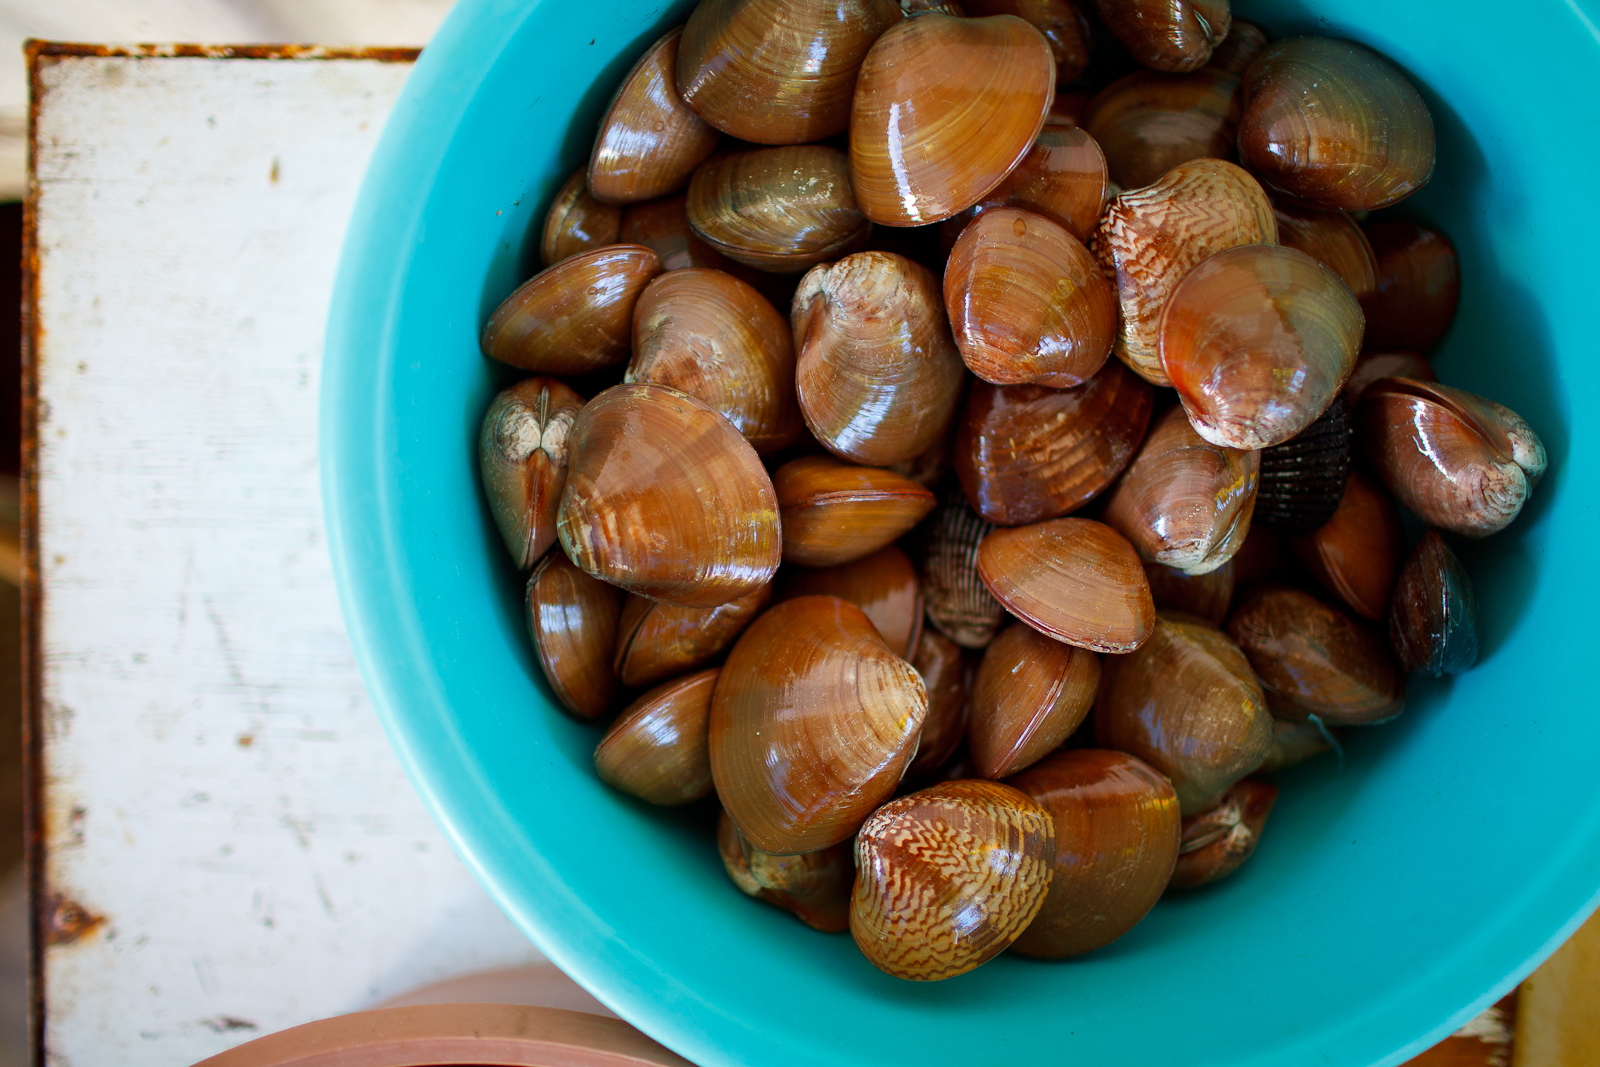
(218, 786)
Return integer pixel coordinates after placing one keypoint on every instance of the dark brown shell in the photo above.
(1333, 239)
(1172, 35)
(1303, 479)
(1433, 625)
(657, 749)
(947, 674)
(649, 141)
(884, 585)
(1418, 285)
(1375, 365)
(835, 512)
(1061, 22)
(1148, 122)
(574, 317)
(572, 622)
(1216, 843)
(1063, 177)
(1292, 743)
(957, 601)
(1205, 596)
(1030, 693)
(1356, 554)
(815, 886)
(1244, 42)
(577, 222)
(657, 641)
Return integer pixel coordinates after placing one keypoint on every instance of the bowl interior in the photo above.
(1391, 897)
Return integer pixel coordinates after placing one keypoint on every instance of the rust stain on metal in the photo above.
(67, 921)
(41, 50)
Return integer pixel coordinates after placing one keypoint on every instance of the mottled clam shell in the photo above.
(656, 641)
(1433, 624)
(1148, 122)
(835, 512)
(658, 750)
(522, 457)
(1217, 842)
(814, 886)
(577, 222)
(1356, 554)
(1303, 479)
(779, 209)
(572, 622)
(958, 604)
(884, 585)
(1030, 693)
(649, 142)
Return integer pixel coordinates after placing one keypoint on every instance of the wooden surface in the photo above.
(227, 845)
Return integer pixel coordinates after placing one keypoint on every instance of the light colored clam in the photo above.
(836, 512)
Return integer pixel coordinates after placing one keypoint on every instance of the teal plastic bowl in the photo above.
(1390, 900)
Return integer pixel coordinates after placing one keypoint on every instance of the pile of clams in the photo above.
(981, 506)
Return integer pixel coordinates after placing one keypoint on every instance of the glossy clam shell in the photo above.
(657, 750)
(777, 71)
(1063, 177)
(1071, 579)
(649, 142)
(1170, 35)
(574, 317)
(577, 222)
(1433, 625)
(884, 585)
(1205, 596)
(835, 512)
(665, 499)
(1335, 124)
(1030, 693)
(1061, 21)
(1150, 238)
(1333, 239)
(1027, 302)
(778, 209)
(663, 227)
(1148, 122)
(1217, 842)
(1374, 365)
(522, 458)
(1184, 501)
(1313, 659)
(948, 877)
(813, 721)
(1244, 42)
(1303, 479)
(1024, 453)
(1356, 554)
(1416, 289)
(1117, 832)
(657, 642)
(1292, 743)
(814, 886)
(946, 674)
(1258, 341)
(1461, 462)
(572, 622)
(714, 337)
(877, 371)
(957, 602)
(944, 108)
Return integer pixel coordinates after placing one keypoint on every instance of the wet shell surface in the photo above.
(836, 512)
(657, 749)
(1333, 239)
(884, 585)
(1416, 289)
(577, 222)
(1172, 35)
(1216, 843)
(1148, 122)
(1303, 479)
(1244, 42)
(649, 142)
(656, 641)
(572, 622)
(1061, 21)
(1356, 554)
(1374, 365)
(1205, 596)
(1030, 693)
(946, 675)
(1063, 177)
(814, 886)
(958, 604)
(522, 457)
(948, 877)
(1293, 743)
(1433, 619)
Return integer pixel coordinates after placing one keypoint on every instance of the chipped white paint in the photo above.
(218, 788)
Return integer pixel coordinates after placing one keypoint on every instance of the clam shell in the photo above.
(1258, 341)
(1374, 365)
(1416, 289)
(1184, 501)
(884, 585)
(649, 142)
(1356, 554)
(1205, 596)
(835, 512)
(1063, 177)
(663, 227)
(1333, 239)
(1030, 693)
(577, 222)
(948, 877)
(1171, 35)
(1303, 479)
(946, 674)
(572, 622)
(574, 317)
(1148, 122)
(1071, 579)
(657, 749)
(1027, 302)
(1334, 124)
(1433, 624)
(1216, 843)
(814, 886)
(714, 337)
(1061, 22)
(944, 108)
(957, 602)
(1024, 453)
(657, 642)
(813, 722)
(1244, 42)
(1292, 743)
(777, 209)
(665, 499)
(1117, 832)
(522, 457)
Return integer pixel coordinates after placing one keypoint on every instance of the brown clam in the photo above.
(1072, 579)
(577, 222)
(946, 675)
(1027, 301)
(944, 108)
(1335, 124)
(1461, 462)
(1069, 106)
(1333, 239)
(1063, 177)
(835, 512)
(1187, 704)
(815, 886)
(884, 585)
(1061, 22)
(1258, 341)
(1433, 624)
(1217, 842)
(948, 877)
(1025, 453)
(665, 499)
(656, 641)
(777, 71)
(1148, 122)
(1374, 365)
(1184, 501)
(928, 468)
(1263, 559)
(574, 317)
(1313, 660)
(1356, 554)
(657, 749)
(877, 371)
(1205, 596)
(1244, 42)
(572, 621)
(663, 226)
(1172, 35)
(1417, 287)
(522, 456)
(649, 141)
(813, 722)
(777, 209)
(1030, 693)
(1150, 238)
(1303, 479)
(714, 337)
(957, 601)
(1292, 743)
(1117, 832)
